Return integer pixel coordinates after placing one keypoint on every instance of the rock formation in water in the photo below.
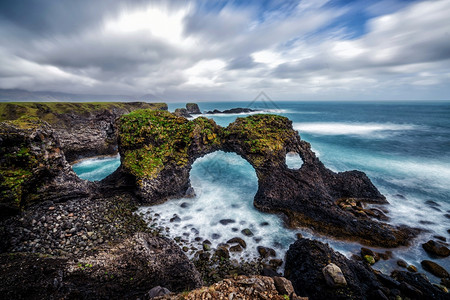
(83, 129)
(237, 110)
(158, 149)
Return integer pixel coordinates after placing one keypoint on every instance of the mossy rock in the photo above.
(152, 140)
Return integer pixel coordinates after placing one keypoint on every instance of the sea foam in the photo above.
(359, 129)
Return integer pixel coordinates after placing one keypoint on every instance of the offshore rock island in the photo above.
(64, 237)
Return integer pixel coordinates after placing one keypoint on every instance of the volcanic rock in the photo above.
(436, 248)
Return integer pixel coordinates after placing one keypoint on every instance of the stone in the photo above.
(275, 262)
(411, 268)
(237, 240)
(434, 269)
(333, 276)
(436, 248)
(367, 251)
(222, 251)
(206, 247)
(298, 235)
(236, 248)
(402, 263)
(157, 291)
(369, 259)
(227, 221)
(283, 286)
(265, 252)
(247, 232)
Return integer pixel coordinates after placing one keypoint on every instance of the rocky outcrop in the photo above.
(307, 260)
(238, 110)
(83, 129)
(33, 168)
(182, 112)
(126, 271)
(158, 149)
(192, 108)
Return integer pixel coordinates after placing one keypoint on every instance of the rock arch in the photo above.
(158, 149)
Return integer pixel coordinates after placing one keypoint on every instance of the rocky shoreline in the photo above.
(63, 237)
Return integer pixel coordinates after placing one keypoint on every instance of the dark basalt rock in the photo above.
(238, 110)
(192, 108)
(126, 271)
(182, 112)
(33, 167)
(435, 248)
(306, 259)
(309, 196)
(435, 269)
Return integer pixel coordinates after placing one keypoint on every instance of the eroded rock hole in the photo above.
(96, 168)
(293, 160)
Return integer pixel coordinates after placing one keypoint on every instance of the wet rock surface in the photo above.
(306, 260)
(436, 248)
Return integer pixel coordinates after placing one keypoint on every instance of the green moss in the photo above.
(150, 139)
(50, 111)
(262, 135)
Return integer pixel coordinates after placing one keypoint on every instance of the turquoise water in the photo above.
(403, 147)
(95, 169)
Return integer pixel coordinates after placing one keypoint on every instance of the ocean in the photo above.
(404, 147)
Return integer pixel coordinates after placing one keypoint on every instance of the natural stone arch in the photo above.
(158, 149)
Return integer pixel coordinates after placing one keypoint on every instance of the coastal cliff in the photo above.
(84, 129)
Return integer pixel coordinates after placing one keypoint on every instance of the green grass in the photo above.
(50, 111)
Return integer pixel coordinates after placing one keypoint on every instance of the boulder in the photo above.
(436, 248)
(435, 269)
(237, 240)
(333, 275)
(265, 252)
(308, 261)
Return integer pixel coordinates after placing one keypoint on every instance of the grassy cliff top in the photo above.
(49, 111)
(150, 139)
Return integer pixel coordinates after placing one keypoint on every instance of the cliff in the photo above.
(84, 128)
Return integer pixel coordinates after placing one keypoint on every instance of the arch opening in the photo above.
(222, 209)
(293, 160)
(96, 168)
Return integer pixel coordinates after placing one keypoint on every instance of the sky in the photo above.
(229, 50)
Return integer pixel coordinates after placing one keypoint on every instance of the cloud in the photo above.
(228, 49)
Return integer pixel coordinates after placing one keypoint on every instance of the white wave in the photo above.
(360, 129)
